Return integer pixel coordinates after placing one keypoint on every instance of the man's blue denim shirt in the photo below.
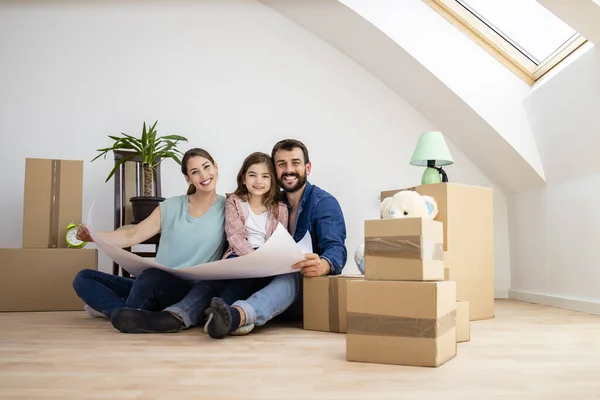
(320, 214)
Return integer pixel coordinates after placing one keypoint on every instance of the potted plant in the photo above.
(152, 150)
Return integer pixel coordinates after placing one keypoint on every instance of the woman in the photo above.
(252, 212)
(192, 228)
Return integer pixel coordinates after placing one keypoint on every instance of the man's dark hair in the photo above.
(289, 145)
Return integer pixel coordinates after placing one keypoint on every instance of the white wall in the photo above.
(234, 77)
(486, 85)
(556, 228)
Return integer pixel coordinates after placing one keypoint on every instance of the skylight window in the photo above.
(522, 34)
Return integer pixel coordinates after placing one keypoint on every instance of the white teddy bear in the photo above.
(404, 204)
(407, 204)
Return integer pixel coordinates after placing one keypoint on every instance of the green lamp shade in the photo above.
(431, 146)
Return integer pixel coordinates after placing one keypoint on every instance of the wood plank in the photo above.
(527, 351)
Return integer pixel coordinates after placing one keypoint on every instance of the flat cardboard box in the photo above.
(463, 324)
(401, 322)
(53, 199)
(404, 249)
(324, 300)
(467, 214)
(42, 279)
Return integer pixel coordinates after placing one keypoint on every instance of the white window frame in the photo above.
(498, 46)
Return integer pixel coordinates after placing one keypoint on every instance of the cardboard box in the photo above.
(324, 300)
(42, 279)
(463, 324)
(467, 214)
(401, 322)
(404, 249)
(467, 285)
(52, 200)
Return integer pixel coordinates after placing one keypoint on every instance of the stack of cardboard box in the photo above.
(39, 276)
(424, 281)
(403, 312)
(467, 213)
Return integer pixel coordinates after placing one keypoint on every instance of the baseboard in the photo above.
(501, 294)
(589, 307)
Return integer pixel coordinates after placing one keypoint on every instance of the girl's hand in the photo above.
(84, 234)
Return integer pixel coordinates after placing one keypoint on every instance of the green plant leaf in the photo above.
(168, 154)
(166, 146)
(102, 153)
(118, 164)
(133, 141)
(175, 137)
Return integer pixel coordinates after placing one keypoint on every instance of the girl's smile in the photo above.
(257, 179)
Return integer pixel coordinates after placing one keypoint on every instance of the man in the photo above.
(311, 210)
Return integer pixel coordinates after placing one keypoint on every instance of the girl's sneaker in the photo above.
(242, 330)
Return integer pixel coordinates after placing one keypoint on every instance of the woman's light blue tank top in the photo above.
(186, 241)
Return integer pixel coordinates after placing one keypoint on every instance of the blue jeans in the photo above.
(153, 290)
(282, 293)
(191, 308)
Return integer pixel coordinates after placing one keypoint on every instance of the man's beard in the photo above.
(300, 181)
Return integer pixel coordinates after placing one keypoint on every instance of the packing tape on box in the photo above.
(404, 247)
(54, 204)
(390, 325)
(334, 311)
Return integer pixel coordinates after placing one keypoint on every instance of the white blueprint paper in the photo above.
(275, 257)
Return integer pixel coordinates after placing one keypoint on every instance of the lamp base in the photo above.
(431, 175)
(434, 175)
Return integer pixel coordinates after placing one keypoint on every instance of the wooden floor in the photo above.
(526, 352)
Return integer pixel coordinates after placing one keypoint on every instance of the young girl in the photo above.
(254, 209)
(252, 213)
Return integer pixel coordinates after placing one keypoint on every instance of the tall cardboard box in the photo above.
(404, 249)
(463, 325)
(42, 279)
(52, 200)
(401, 322)
(324, 302)
(467, 213)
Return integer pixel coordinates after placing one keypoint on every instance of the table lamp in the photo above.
(432, 152)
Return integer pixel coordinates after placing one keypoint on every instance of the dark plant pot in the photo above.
(143, 206)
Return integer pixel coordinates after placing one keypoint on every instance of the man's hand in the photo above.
(313, 265)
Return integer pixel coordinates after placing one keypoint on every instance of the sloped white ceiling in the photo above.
(581, 15)
(493, 146)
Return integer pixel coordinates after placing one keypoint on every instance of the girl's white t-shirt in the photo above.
(256, 224)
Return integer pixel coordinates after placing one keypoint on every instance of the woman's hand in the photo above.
(84, 234)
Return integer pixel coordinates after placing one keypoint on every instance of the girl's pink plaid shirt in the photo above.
(235, 225)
